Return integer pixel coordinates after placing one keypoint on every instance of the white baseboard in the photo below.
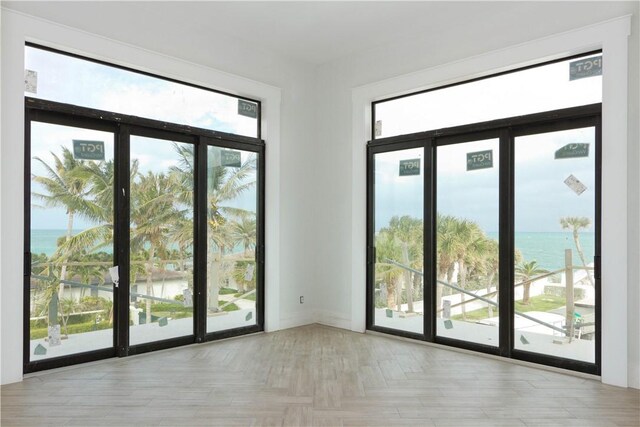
(330, 318)
(293, 320)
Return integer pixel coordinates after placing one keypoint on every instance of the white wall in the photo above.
(345, 83)
(313, 191)
(281, 83)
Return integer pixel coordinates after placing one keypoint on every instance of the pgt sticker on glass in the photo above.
(88, 150)
(409, 167)
(480, 160)
(247, 109)
(231, 158)
(571, 151)
(588, 67)
(30, 81)
(575, 184)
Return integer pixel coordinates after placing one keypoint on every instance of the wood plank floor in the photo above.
(314, 375)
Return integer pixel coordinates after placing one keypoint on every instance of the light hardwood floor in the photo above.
(314, 375)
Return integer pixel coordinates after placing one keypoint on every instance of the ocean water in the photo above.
(45, 242)
(547, 248)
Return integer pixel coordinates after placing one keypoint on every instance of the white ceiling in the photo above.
(313, 32)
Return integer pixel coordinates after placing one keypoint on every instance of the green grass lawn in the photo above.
(77, 328)
(174, 311)
(537, 303)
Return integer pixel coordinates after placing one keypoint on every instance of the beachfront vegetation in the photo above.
(537, 303)
(462, 246)
(527, 272)
(575, 224)
(161, 213)
(467, 260)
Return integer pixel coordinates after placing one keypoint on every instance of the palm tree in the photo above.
(484, 264)
(224, 185)
(446, 244)
(99, 209)
(387, 273)
(575, 224)
(67, 188)
(527, 271)
(86, 267)
(243, 276)
(153, 214)
(244, 233)
(466, 234)
(407, 232)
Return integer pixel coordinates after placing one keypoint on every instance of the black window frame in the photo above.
(463, 82)
(157, 76)
(123, 126)
(506, 130)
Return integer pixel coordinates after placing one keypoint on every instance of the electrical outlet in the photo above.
(301, 299)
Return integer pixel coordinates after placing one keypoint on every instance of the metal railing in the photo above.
(489, 301)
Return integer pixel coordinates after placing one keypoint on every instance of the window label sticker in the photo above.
(231, 158)
(570, 151)
(54, 335)
(30, 81)
(448, 324)
(409, 167)
(248, 274)
(247, 109)
(88, 150)
(588, 67)
(378, 128)
(480, 160)
(575, 184)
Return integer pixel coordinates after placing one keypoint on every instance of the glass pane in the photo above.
(85, 83)
(543, 88)
(467, 241)
(398, 228)
(161, 299)
(555, 241)
(232, 201)
(71, 298)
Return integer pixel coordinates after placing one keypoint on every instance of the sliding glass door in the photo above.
(139, 235)
(161, 239)
(398, 240)
(486, 237)
(232, 238)
(556, 243)
(467, 236)
(71, 303)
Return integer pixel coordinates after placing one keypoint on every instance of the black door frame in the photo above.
(506, 130)
(122, 127)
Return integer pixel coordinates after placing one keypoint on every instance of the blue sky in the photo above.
(541, 195)
(70, 80)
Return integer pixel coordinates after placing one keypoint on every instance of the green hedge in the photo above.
(37, 333)
(39, 328)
